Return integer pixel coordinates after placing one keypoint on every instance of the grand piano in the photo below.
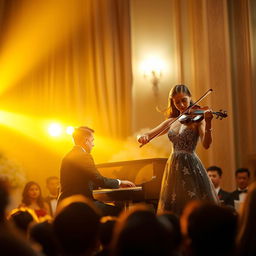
(146, 174)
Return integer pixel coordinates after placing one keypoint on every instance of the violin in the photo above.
(197, 115)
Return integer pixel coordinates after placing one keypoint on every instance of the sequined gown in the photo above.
(185, 178)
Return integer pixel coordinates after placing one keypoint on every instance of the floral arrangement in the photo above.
(11, 172)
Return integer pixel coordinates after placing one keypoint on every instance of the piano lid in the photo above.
(137, 171)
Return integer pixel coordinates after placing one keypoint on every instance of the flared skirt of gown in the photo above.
(184, 179)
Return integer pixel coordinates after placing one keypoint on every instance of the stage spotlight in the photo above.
(70, 130)
(55, 129)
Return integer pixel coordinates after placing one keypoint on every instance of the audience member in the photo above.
(77, 229)
(32, 199)
(173, 219)
(53, 186)
(22, 220)
(237, 197)
(106, 234)
(215, 174)
(209, 229)
(11, 243)
(42, 234)
(139, 232)
(246, 238)
(4, 199)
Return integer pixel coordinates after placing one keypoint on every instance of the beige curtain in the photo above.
(215, 49)
(243, 34)
(76, 66)
(68, 62)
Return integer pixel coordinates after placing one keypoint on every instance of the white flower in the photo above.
(10, 171)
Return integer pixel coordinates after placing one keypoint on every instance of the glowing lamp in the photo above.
(70, 130)
(152, 68)
(55, 129)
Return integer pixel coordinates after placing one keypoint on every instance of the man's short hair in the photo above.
(216, 169)
(51, 178)
(82, 131)
(241, 170)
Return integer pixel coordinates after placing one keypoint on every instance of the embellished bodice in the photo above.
(184, 138)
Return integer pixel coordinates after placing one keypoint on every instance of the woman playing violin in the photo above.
(185, 178)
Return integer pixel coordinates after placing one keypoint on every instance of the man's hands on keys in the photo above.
(126, 184)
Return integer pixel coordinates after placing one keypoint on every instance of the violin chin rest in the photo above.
(197, 118)
(183, 118)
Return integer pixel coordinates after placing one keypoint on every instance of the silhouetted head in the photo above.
(77, 228)
(246, 239)
(4, 198)
(43, 234)
(212, 230)
(139, 232)
(173, 219)
(107, 225)
(21, 219)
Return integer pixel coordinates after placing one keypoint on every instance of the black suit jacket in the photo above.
(234, 196)
(78, 175)
(224, 196)
(48, 200)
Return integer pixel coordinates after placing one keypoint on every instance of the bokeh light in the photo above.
(70, 130)
(55, 129)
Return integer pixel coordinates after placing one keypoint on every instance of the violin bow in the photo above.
(176, 118)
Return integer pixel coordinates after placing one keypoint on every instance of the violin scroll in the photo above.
(221, 114)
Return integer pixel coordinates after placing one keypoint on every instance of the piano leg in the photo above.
(124, 205)
(107, 210)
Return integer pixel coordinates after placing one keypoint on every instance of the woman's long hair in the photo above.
(246, 239)
(171, 110)
(25, 197)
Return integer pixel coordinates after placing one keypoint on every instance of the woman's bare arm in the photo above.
(205, 130)
(161, 129)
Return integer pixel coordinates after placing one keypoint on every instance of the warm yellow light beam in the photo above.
(37, 28)
(38, 130)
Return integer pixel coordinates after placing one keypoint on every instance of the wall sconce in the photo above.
(152, 69)
(155, 76)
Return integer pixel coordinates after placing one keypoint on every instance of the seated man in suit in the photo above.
(242, 181)
(215, 174)
(52, 185)
(78, 173)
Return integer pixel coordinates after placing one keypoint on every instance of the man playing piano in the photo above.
(79, 175)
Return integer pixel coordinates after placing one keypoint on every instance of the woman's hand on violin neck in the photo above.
(208, 116)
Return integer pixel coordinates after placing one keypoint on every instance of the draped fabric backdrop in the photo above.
(207, 44)
(84, 77)
(70, 61)
(66, 61)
